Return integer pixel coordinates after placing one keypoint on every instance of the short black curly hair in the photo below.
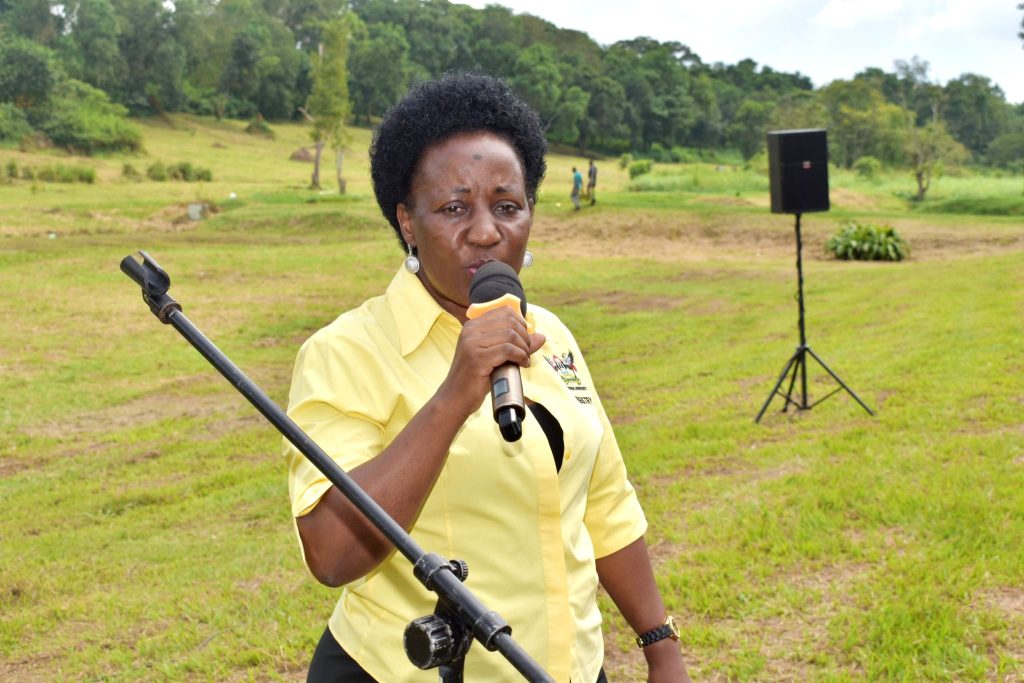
(432, 111)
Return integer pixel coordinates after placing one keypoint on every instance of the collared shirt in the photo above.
(530, 533)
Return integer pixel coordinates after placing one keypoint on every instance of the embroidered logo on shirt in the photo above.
(565, 366)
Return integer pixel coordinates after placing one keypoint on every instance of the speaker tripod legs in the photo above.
(797, 364)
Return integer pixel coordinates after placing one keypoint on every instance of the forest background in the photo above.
(69, 72)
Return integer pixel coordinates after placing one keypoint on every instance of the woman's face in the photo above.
(467, 206)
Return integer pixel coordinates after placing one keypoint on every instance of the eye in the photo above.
(508, 208)
(453, 209)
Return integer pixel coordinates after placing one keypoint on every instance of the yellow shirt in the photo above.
(529, 533)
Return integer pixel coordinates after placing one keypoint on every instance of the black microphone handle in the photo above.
(507, 400)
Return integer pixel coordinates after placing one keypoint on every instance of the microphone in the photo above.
(494, 285)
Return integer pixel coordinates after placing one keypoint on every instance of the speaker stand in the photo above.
(797, 363)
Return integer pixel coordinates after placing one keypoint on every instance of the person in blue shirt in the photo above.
(577, 186)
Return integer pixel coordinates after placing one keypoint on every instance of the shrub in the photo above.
(13, 124)
(182, 170)
(640, 167)
(12, 169)
(129, 172)
(660, 154)
(259, 126)
(157, 171)
(84, 119)
(868, 242)
(625, 160)
(867, 167)
(55, 174)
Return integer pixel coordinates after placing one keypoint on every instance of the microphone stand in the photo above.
(439, 640)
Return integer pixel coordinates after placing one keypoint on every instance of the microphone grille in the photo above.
(492, 281)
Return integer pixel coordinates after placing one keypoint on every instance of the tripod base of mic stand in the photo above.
(797, 365)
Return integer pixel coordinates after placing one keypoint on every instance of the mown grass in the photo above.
(145, 529)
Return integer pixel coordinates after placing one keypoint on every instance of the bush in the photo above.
(83, 119)
(640, 167)
(130, 173)
(259, 126)
(660, 154)
(12, 169)
(55, 174)
(978, 206)
(157, 171)
(625, 160)
(867, 167)
(182, 170)
(868, 242)
(13, 124)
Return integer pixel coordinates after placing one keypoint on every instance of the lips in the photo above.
(474, 266)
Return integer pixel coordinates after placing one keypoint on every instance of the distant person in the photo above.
(577, 185)
(592, 181)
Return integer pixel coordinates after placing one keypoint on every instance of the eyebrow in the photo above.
(500, 189)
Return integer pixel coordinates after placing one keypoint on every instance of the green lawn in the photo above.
(145, 531)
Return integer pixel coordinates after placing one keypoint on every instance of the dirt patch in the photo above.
(171, 400)
(678, 236)
(661, 237)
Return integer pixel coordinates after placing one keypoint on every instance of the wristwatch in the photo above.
(666, 630)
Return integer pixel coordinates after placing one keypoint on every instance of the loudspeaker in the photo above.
(798, 170)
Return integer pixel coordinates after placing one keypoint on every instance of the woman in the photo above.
(395, 390)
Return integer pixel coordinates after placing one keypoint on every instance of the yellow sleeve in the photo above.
(613, 517)
(332, 400)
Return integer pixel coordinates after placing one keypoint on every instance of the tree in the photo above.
(1020, 33)
(28, 74)
(328, 103)
(976, 111)
(929, 149)
(378, 70)
(862, 123)
(155, 61)
(749, 126)
(1007, 151)
(604, 122)
(90, 48)
(36, 20)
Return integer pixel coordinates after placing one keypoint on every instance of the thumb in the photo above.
(537, 341)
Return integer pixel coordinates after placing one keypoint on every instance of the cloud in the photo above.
(843, 14)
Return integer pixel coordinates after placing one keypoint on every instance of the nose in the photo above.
(483, 229)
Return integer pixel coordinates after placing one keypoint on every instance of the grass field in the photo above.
(145, 531)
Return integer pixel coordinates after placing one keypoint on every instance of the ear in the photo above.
(405, 224)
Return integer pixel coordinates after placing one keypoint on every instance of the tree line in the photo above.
(72, 69)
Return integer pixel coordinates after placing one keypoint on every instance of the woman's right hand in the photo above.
(497, 337)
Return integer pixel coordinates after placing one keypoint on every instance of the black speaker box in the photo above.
(798, 170)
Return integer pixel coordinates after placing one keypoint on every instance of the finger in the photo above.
(536, 342)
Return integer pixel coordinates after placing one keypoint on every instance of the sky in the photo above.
(822, 39)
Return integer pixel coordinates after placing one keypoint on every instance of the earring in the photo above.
(527, 259)
(412, 264)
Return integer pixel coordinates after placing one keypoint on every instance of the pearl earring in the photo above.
(412, 264)
(527, 259)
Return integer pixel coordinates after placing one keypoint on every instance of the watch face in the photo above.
(675, 628)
